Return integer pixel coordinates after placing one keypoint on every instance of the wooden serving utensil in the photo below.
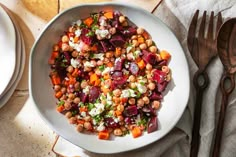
(226, 45)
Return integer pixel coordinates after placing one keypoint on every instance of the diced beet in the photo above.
(133, 68)
(116, 74)
(67, 58)
(94, 93)
(119, 81)
(130, 111)
(118, 64)
(152, 124)
(162, 63)
(148, 110)
(156, 96)
(162, 86)
(149, 57)
(106, 46)
(127, 120)
(159, 76)
(117, 14)
(129, 32)
(83, 97)
(117, 41)
(110, 122)
(85, 38)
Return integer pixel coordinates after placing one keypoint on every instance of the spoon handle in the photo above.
(224, 102)
(200, 81)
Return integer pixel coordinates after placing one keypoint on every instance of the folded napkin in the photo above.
(177, 14)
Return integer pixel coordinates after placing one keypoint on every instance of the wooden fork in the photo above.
(203, 50)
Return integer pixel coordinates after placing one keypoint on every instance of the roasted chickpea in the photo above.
(76, 100)
(140, 103)
(118, 132)
(65, 47)
(156, 105)
(71, 96)
(165, 69)
(132, 78)
(63, 90)
(68, 114)
(77, 85)
(132, 85)
(87, 125)
(67, 105)
(151, 86)
(153, 49)
(109, 54)
(73, 120)
(117, 92)
(149, 42)
(140, 30)
(122, 19)
(84, 84)
(120, 108)
(135, 43)
(75, 53)
(87, 118)
(134, 37)
(143, 46)
(149, 66)
(131, 101)
(116, 100)
(65, 39)
(168, 77)
(70, 69)
(112, 30)
(120, 118)
(146, 100)
(57, 88)
(80, 127)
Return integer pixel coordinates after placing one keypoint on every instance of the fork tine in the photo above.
(192, 31)
(210, 27)
(219, 22)
(202, 26)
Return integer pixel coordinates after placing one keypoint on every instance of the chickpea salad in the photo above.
(109, 76)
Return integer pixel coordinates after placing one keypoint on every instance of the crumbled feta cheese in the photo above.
(106, 70)
(102, 33)
(75, 63)
(86, 90)
(142, 89)
(103, 22)
(78, 32)
(101, 127)
(99, 108)
(128, 93)
(109, 99)
(78, 22)
(98, 56)
(83, 114)
(87, 64)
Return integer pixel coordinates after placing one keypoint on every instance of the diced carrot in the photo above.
(141, 64)
(118, 113)
(80, 121)
(55, 79)
(54, 55)
(75, 72)
(88, 21)
(103, 135)
(109, 64)
(118, 51)
(165, 55)
(106, 76)
(58, 94)
(105, 90)
(76, 39)
(109, 15)
(140, 40)
(83, 109)
(94, 48)
(60, 108)
(94, 80)
(136, 132)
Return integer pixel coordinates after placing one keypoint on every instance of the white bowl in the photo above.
(41, 91)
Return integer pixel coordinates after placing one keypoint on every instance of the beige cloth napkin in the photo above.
(177, 15)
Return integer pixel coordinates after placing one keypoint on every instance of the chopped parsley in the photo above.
(101, 67)
(60, 103)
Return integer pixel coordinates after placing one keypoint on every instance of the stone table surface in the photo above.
(22, 132)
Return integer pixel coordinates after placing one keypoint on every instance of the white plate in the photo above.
(20, 63)
(41, 91)
(7, 50)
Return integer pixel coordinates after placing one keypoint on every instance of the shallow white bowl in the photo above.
(41, 91)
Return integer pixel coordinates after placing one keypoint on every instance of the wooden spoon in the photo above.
(226, 45)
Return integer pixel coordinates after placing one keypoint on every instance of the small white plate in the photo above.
(20, 62)
(7, 50)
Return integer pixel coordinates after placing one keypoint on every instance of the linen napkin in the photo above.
(177, 14)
